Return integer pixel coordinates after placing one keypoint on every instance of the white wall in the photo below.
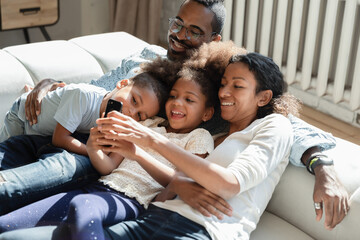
(170, 9)
(77, 18)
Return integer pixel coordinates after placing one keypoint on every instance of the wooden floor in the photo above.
(329, 124)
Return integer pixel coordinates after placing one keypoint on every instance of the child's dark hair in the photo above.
(200, 76)
(218, 8)
(158, 75)
(269, 77)
(206, 67)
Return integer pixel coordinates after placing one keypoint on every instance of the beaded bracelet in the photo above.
(310, 163)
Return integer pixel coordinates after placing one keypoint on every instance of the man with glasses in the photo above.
(200, 21)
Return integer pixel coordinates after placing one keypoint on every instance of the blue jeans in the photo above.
(33, 169)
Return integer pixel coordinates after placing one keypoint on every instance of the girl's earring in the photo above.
(124, 83)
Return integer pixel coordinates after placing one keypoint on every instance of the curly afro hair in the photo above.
(206, 66)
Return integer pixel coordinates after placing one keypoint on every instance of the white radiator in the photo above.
(316, 43)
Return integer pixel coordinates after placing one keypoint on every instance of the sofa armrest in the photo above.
(293, 197)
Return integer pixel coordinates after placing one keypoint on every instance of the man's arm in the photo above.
(33, 101)
(310, 142)
(306, 137)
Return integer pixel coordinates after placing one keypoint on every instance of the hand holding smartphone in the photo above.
(111, 106)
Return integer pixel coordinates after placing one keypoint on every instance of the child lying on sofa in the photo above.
(76, 107)
(32, 156)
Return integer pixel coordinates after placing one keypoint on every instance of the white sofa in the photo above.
(290, 213)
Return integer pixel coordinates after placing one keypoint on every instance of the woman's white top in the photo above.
(132, 180)
(257, 156)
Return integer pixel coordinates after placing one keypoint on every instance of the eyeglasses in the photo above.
(191, 33)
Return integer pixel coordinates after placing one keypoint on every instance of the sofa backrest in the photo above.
(76, 60)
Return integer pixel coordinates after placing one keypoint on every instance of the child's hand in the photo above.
(94, 143)
(121, 127)
(103, 161)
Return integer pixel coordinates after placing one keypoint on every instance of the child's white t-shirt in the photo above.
(75, 107)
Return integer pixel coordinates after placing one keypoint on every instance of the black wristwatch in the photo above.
(316, 160)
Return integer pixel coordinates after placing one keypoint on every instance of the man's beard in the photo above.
(178, 56)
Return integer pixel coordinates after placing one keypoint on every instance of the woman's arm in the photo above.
(189, 191)
(157, 170)
(269, 146)
(211, 176)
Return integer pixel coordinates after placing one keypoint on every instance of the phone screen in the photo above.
(113, 105)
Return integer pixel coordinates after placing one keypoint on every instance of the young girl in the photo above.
(128, 188)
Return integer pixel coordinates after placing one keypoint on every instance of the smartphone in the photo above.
(113, 105)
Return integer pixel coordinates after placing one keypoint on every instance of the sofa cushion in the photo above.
(113, 48)
(61, 60)
(272, 227)
(293, 202)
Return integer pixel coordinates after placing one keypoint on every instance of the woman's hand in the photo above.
(196, 196)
